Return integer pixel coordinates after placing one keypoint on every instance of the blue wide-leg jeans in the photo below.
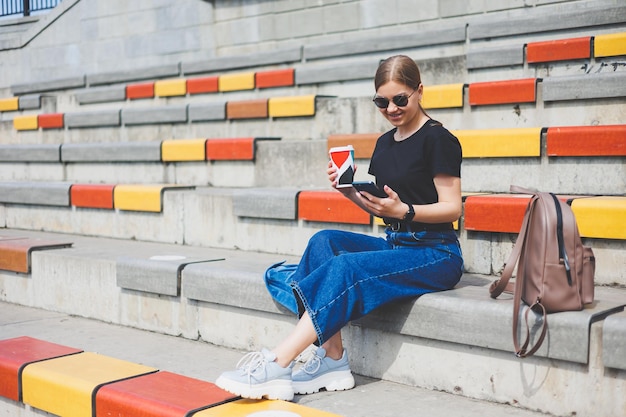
(343, 276)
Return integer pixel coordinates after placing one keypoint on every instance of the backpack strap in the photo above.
(501, 285)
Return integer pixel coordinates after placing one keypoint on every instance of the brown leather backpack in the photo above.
(555, 271)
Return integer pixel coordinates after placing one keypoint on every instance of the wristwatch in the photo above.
(408, 217)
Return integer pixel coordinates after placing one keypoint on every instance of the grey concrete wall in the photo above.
(94, 36)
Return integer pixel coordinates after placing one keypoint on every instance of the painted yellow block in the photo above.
(169, 88)
(495, 143)
(244, 408)
(609, 45)
(64, 386)
(138, 197)
(9, 104)
(25, 122)
(601, 217)
(183, 150)
(236, 82)
(443, 96)
(291, 106)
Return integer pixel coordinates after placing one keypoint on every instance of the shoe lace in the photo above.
(313, 364)
(251, 362)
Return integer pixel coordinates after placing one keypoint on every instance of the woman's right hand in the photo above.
(332, 177)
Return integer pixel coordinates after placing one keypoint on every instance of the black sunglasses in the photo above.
(400, 100)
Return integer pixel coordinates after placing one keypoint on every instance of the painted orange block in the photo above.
(330, 206)
(495, 213)
(609, 140)
(498, 212)
(503, 92)
(18, 352)
(50, 121)
(231, 149)
(157, 395)
(363, 143)
(558, 50)
(15, 254)
(249, 109)
(92, 195)
(275, 78)
(202, 85)
(138, 91)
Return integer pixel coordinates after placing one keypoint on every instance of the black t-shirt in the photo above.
(409, 166)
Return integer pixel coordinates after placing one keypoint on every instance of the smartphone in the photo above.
(370, 187)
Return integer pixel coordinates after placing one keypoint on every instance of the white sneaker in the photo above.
(259, 376)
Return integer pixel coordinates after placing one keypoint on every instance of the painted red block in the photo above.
(558, 50)
(503, 92)
(17, 353)
(275, 78)
(247, 109)
(330, 206)
(50, 121)
(92, 195)
(138, 91)
(608, 140)
(202, 85)
(231, 149)
(160, 394)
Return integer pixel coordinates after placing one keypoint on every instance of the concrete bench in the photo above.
(273, 203)
(154, 115)
(206, 112)
(584, 141)
(105, 94)
(136, 74)
(588, 86)
(38, 193)
(15, 252)
(100, 118)
(502, 92)
(49, 85)
(112, 152)
(329, 73)
(158, 274)
(613, 336)
(421, 38)
(537, 21)
(30, 153)
(250, 60)
(467, 315)
(502, 56)
(17, 353)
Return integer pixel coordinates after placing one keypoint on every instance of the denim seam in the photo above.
(308, 308)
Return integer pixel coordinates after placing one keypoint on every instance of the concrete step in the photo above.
(218, 296)
(205, 361)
